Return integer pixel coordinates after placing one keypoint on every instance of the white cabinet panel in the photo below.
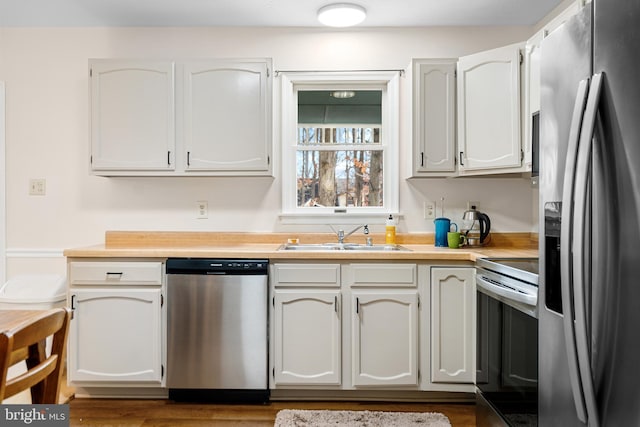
(453, 312)
(132, 115)
(531, 94)
(489, 110)
(380, 275)
(116, 336)
(384, 338)
(227, 116)
(303, 275)
(116, 273)
(307, 338)
(434, 117)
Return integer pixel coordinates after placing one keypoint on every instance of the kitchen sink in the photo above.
(340, 247)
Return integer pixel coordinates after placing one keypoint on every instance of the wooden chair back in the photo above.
(27, 342)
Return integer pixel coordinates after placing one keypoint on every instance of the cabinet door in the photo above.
(307, 338)
(453, 315)
(385, 338)
(132, 115)
(434, 139)
(531, 94)
(115, 336)
(227, 113)
(489, 109)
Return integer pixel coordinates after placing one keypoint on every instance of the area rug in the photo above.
(312, 418)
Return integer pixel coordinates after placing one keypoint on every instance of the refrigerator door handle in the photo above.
(566, 238)
(579, 251)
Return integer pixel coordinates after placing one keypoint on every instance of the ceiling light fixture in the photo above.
(341, 14)
(343, 94)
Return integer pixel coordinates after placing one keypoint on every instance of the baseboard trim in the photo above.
(34, 253)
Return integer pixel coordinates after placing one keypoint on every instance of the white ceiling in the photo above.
(270, 13)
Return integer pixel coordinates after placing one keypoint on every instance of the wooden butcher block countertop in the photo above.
(195, 244)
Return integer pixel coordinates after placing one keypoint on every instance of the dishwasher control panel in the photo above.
(217, 266)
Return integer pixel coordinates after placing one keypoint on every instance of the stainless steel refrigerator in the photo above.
(589, 297)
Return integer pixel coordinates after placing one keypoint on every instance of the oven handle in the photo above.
(483, 283)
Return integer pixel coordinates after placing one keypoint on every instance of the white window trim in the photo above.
(389, 82)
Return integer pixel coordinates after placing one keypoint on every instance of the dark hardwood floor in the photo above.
(129, 413)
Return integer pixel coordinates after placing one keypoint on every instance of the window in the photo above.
(339, 145)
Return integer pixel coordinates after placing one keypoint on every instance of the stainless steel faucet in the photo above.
(341, 235)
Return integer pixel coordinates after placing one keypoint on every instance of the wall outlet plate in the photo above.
(429, 210)
(202, 207)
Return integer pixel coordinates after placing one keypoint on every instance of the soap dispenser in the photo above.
(390, 231)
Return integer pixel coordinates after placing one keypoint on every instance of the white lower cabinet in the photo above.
(117, 332)
(116, 335)
(384, 338)
(370, 340)
(453, 320)
(307, 337)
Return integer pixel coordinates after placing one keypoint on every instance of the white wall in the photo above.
(45, 73)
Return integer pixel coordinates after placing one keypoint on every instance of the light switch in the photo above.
(37, 187)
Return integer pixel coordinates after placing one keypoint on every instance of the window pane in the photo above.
(332, 178)
(338, 135)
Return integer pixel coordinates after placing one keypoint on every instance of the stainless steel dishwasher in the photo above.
(217, 329)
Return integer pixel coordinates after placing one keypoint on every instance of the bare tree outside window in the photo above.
(339, 154)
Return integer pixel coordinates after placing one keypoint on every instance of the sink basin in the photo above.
(340, 247)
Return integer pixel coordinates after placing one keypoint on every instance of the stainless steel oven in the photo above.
(507, 339)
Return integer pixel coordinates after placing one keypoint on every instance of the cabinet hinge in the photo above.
(418, 302)
(273, 373)
(90, 72)
(268, 160)
(419, 377)
(521, 58)
(161, 371)
(521, 155)
(161, 300)
(273, 302)
(268, 73)
(91, 159)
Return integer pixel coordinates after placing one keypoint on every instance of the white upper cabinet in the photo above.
(216, 121)
(132, 115)
(531, 92)
(227, 125)
(434, 117)
(531, 84)
(489, 110)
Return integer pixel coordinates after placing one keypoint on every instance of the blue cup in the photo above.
(442, 228)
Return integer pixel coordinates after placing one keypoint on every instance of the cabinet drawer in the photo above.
(325, 275)
(386, 275)
(115, 273)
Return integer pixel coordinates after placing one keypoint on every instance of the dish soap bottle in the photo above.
(390, 231)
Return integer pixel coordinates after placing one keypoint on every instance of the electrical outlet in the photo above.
(203, 209)
(429, 210)
(37, 187)
(471, 203)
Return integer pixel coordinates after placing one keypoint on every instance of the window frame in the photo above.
(386, 81)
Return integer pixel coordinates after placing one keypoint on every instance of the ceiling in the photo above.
(267, 13)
